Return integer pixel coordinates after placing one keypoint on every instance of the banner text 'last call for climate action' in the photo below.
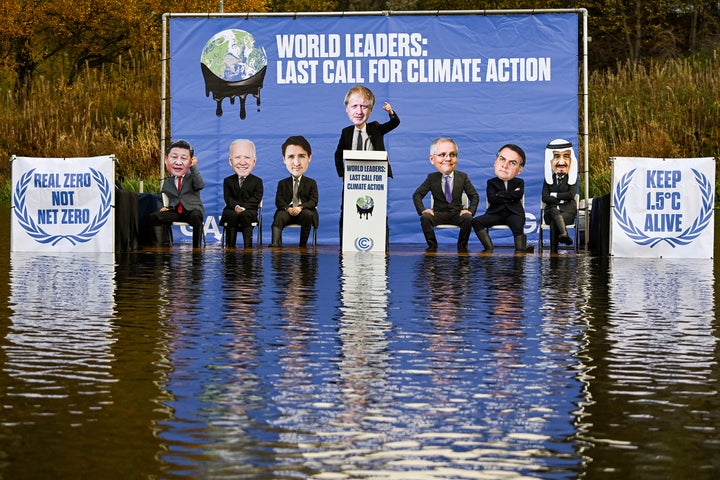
(391, 58)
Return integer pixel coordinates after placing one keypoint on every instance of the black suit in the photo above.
(563, 202)
(376, 132)
(248, 197)
(308, 217)
(560, 207)
(444, 212)
(504, 206)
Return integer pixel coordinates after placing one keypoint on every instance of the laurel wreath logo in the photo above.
(41, 236)
(686, 236)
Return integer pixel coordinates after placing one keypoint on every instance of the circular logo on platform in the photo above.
(364, 244)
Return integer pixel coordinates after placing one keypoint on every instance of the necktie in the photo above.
(448, 189)
(359, 145)
(179, 207)
(241, 180)
(295, 199)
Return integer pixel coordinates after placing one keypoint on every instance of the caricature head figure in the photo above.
(509, 162)
(242, 156)
(297, 155)
(560, 159)
(179, 157)
(444, 155)
(359, 102)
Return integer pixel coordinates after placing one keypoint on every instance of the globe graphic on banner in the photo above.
(233, 68)
(232, 56)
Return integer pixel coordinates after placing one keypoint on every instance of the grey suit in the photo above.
(193, 211)
(445, 212)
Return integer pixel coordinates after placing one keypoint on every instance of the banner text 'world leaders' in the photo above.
(391, 58)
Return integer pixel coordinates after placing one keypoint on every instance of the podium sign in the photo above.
(365, 201)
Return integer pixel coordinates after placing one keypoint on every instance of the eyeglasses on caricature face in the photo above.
(445, 155)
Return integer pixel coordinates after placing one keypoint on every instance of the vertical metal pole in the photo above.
(586, 150)
(221, 6)
(163, 110)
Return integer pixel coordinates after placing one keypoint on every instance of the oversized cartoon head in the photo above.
(560, 159)
(297, 155)
(179, 157)
(509, 162)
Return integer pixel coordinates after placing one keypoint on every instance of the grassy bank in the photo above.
(668, 108)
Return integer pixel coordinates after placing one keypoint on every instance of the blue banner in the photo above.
(482, 80)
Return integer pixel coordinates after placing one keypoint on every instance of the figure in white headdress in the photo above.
(559, 190)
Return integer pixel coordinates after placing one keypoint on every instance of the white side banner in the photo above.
(662, 207)
(63, 204)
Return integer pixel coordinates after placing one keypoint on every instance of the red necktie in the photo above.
(179, 207)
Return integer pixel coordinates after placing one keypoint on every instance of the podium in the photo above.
(365, 201)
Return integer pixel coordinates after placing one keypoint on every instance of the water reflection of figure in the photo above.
(231, 391)
(181, 285)
(295, 277)
(241, 300)
(363, 333)
(505, 288)
(447, 286)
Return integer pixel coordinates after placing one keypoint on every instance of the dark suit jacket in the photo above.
(248, 197)
(565, 199)
(434, 183)
(505, 201)
(189, 195)
(307, 192)
(375, 131)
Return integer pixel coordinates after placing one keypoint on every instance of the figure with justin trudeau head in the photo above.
(559, 190)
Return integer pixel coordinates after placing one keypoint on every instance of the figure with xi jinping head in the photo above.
(180, 192)
(243, 193)
(559, 191)
(446, 186)
(505, 192)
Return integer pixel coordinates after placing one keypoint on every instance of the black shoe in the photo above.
(565, 240)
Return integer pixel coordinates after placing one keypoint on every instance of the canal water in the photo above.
(308, 364)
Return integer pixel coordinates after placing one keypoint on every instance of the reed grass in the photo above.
(111, 110)
(666, 108)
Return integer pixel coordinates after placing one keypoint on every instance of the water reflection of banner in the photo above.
(657, 361)
(444, 74)
(63, 204)
(60, 335)
(663, 207)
